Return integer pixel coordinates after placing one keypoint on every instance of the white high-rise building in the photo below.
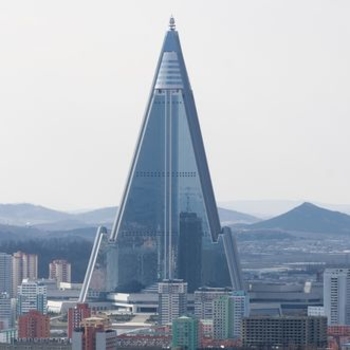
(240, 308)
(228, 312)
(24, 266)
(222, 318)
(172, 300)
(203, 301)
(31, 295)
(60, 270)
(7, 311)
(336, 295)
(6, 274)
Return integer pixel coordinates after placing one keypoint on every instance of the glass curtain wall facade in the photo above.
(169, 179)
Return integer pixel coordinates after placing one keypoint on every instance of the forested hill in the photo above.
(75, 250)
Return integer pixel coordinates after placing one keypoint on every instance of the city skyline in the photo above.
(270, 82)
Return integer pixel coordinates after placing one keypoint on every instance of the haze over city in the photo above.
(270, 81)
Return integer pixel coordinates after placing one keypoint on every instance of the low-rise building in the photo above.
(265, 331)
(33, 325)
(93, 334)
(38, 344)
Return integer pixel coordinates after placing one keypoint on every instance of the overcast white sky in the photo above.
(271, 81)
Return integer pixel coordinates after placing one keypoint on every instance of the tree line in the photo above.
(75, 250)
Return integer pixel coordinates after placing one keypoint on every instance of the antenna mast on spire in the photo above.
(172, 25)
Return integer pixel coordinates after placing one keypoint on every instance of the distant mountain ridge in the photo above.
(268, 208)
(23, 221)
(45, 219)
(229, 216)
(100, 215)
(27, 214)
(307, 217)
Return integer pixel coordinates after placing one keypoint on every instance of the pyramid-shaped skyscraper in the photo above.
(168, 219)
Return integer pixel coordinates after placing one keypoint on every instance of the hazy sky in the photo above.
(271, 81)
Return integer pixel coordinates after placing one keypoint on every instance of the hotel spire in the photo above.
(172, 25)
